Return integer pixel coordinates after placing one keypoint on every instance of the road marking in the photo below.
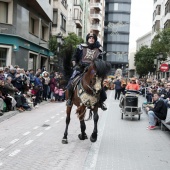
(1, 163)
(62, 111)
(47, 121)
(39, 134)
(57, 121)
(48, 128)
(52, 117)
(26, 133)
(1, 149)
(57, 114)
(13, 141)
(36, 127)
(62, 118)
(15, 153)
(28, 142)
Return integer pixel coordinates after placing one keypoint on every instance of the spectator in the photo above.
(157, 113)
(132, 85)
(46, 81)
(118, 88)
(2, 77)
(52, 86)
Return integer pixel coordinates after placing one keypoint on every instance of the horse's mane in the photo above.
(102, 67)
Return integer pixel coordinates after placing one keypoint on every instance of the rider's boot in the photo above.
(103, 106)
(70, 95)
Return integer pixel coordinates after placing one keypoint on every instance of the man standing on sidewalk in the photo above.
(118, 88)
(157, 113)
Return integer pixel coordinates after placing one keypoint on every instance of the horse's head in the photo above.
(97, 71)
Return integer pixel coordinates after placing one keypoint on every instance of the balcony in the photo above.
(96, 27)
(96, 16)
(78, 22)
(97, 6)
(166, 18)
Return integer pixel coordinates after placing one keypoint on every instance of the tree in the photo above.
(66, 51)
(144, 61)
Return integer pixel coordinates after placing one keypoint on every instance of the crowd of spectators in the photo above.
(25, 89)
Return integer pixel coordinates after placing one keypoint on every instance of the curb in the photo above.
(10, 114)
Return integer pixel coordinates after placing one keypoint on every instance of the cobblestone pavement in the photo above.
(32, 141)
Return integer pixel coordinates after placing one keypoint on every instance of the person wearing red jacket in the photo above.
(132, 85)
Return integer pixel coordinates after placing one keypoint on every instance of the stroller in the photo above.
(129, 104)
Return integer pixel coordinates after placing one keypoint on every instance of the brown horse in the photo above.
(87, 95)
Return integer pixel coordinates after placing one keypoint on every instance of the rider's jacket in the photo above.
(84, 54)
(132, 86)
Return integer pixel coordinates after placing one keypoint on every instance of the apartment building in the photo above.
(161, 20)
(97, 14)
(116, 35)
(24, 33)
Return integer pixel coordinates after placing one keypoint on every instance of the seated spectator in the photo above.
(149, 95)
(157, 113)
(56, 91)
(7, 99)
(132, 85)
(11, 90)
(60, 94)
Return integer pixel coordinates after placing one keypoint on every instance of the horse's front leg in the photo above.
(64, 140)
(83, 135)
(93, 136)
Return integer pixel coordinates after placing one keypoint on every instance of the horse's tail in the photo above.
(90, 115)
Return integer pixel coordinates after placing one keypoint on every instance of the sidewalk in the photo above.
(127, 144)
(9, 114)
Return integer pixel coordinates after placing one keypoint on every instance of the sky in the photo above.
(141, 20)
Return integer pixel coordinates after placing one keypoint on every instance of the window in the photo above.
(3, 12)
(49, 1)
(34, 25)
(44, 32)
(167, 7)
(63, 22)
(116, 6)
(3, 54)
(158, 10)
(167, 24)
(55, 17)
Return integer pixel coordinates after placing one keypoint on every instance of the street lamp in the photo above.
(60, 39)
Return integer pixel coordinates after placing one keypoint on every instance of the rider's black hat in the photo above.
(91, 35)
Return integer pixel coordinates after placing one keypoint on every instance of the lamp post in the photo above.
(59, 43)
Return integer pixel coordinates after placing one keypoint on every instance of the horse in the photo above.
(87, 95)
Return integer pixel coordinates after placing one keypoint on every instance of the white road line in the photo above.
(26, 133)
(13, 141)
(39, 134)
(47, 128)
(1, 163)
(36, 127)
(14, 153)
(57, 121)
(52, 117)
(47, 121)
(28, 142)
(62, 118)
(57, 114)
(1, 149)
(62, 111)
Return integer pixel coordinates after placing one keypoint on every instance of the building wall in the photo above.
(117, 29)
(145, 40)
(16, 37)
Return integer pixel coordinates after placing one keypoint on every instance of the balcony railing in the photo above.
(96, 5)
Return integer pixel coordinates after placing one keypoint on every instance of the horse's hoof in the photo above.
(64, 141)
(82, 137)
(93, 138)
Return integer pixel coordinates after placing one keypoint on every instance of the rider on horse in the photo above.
(81, 59)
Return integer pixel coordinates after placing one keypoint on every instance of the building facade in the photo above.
(24, 33)
(116, 35)
(97, 14)
(161, 20)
